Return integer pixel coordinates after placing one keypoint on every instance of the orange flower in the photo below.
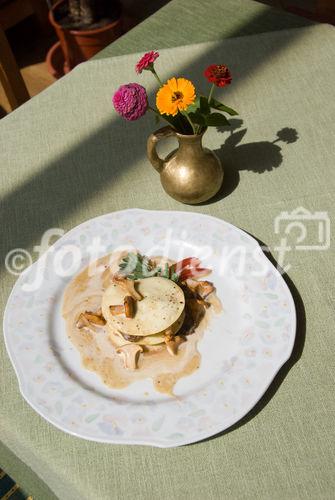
(176, 95)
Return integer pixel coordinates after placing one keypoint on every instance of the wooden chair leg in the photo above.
(10, 76)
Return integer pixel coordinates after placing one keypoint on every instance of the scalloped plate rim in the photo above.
(150, 442)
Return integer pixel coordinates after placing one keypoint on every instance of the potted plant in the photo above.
(84, 27)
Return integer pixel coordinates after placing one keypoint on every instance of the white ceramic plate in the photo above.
(241, 352)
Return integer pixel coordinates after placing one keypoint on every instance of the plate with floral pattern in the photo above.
(242, 349)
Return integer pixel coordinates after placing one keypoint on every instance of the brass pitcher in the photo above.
(190, 174)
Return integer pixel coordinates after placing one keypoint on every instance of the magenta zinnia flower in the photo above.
(146, 61)
(131, 101)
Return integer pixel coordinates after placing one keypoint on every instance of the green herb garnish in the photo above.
(136, 266)
(166, 272)
(174, 277)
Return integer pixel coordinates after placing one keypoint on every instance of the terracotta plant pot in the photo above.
(55, 61)
(80, 45)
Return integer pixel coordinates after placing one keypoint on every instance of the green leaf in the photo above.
(197, 118)
(204, 105)
(222, 107)
(199, 107)
(170, 119)
(192, 108)
(216, 120)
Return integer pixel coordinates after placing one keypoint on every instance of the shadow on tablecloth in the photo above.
(258, 157)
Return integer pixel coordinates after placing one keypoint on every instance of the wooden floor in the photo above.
(29, 47)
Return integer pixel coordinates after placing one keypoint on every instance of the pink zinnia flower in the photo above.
(131, 101)
(146, 61)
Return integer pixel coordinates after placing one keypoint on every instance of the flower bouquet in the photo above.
(190, 174)
(176, 100)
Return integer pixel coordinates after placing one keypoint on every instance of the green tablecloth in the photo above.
(182, 22)
(66, 157)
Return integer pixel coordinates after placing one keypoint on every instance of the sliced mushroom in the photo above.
(203, 302)
(116, 310)
(201, 288)
(130, 354)
(172, 344)
(87, 318)
(82, 321)
(127, 285)
(168, 335)
(129, 306)
(95, 318)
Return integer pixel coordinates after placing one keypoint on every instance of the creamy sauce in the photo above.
(97, 351)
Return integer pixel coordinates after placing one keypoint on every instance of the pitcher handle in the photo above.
(153, 139)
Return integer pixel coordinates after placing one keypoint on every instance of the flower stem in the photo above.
(190, 122)
(211, 93)
(153, 71)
